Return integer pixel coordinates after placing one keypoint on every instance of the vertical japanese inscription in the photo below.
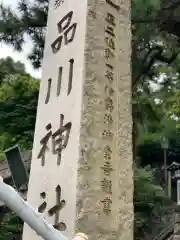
(60, 137)
(109, 55)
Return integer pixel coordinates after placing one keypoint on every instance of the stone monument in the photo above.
(81, 172)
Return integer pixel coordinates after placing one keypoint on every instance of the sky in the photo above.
(6, 51)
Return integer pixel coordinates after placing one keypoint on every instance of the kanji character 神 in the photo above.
(60, 140)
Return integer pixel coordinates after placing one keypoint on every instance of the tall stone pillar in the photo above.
(81, 172)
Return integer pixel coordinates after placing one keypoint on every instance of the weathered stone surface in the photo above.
(90, 217)
(176, 234)
(95, 173)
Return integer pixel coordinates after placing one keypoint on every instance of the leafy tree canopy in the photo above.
(18, 103)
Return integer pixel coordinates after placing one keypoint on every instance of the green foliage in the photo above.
(8, 66)
(149, 198)
(174, 101)
(10, 225)
(155, 48)
(18, 103)
(31, 21)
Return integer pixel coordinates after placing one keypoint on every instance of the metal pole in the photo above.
(34, 219)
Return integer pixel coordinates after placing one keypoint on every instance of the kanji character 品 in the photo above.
(66, 31)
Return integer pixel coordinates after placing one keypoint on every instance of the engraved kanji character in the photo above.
(109, 90)
(107, 153)
(60, 138)
(109, 104)
(108, 119)
(110, 19)
(48, 91)
(44, 142)
(43, 206)
(107, 205)
(110, 42)
(109, 66)
(83, 151)
(110, 31)
(71, 62)
(112, 4)
(107, 168)
(109, 75)
(58, 3)
(66, 31)
(106, 185)
(108, 54)
(55, 210)
(107, 133)
(70, 80)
